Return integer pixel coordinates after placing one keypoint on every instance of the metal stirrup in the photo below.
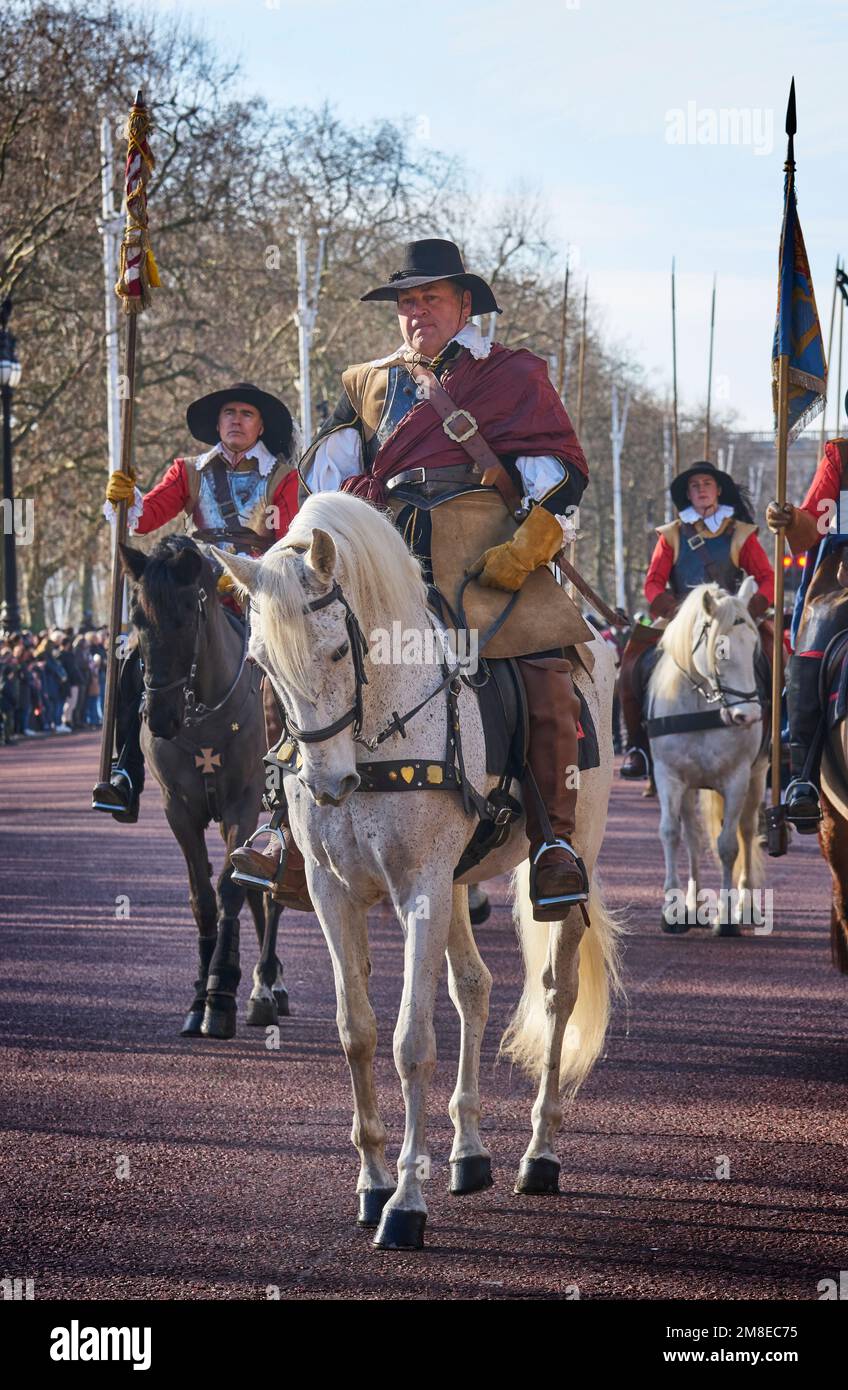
(581, 896)
(268, 884)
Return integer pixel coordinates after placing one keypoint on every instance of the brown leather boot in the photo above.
(262, 869)
(636, 765)
(554, 709)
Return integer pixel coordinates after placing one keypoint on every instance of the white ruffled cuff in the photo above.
(133, 515)
(569, 529)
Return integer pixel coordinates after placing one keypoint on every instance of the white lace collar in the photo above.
(469, 337)
(712, 523)
(259, 451)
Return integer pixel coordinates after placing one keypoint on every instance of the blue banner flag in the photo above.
(797, 332)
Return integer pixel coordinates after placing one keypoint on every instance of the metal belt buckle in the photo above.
(695, 542)
(459, 438)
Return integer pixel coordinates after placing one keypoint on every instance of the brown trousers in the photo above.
(641, 640)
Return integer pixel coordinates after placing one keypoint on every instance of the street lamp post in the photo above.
(10, 375)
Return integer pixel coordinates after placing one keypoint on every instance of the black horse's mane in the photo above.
(161, 573)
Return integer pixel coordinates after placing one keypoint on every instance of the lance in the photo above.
(710, 375)
(777, 834)
(137, 275)
(616, 617)
(675, 437)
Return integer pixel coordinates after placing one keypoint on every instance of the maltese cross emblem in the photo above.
(208, 760)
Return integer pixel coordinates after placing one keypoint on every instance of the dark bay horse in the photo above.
(203, 736)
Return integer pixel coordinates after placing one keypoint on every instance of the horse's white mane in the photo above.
(379, 577)
(676, 645)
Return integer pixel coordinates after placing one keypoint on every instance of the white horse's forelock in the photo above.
(379, 577)
(677, 659)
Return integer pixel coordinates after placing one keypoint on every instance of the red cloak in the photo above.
(516, 407)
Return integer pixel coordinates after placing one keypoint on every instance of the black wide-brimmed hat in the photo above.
(202, 416)
(731, 494)
(434, 259)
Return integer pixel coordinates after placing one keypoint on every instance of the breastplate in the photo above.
(704, 560)
(248, 493)
(401, 396)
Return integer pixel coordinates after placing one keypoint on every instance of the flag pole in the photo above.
(777, 834)
(710, 375)
(823, 435)
(777, 652)
(675, 437)
(137, 274)
(839, 359)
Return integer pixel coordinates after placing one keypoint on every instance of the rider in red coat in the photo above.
(714, 539)
(240, 494)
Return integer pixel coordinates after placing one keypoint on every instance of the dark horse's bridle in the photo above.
(194, 712)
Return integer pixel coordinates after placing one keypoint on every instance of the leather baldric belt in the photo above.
(461, 426)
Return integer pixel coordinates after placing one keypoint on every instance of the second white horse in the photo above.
(705, 725)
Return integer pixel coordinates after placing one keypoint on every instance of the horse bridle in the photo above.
(720, 692)
(358, 649)
(194, 712)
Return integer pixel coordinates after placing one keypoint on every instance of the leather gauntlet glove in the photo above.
(120, 487)
(537, 540)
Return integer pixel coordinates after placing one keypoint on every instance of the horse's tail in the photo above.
(712, 812)
(599, 964)
(834, 841)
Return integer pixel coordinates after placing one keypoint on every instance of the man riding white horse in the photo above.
(714, 540)
(241, 494)
(384, 443)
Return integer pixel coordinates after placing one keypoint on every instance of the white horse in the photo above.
(343, 571)
(706, 668)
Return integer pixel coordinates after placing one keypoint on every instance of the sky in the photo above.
(649, 130)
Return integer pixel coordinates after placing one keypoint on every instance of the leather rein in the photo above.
(194, 711)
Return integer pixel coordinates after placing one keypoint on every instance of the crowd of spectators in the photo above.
(51, 682)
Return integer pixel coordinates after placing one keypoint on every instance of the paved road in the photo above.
(238, 1169)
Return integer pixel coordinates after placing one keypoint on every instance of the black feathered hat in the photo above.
(434, 259)
(202, 416)
(730, 492)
